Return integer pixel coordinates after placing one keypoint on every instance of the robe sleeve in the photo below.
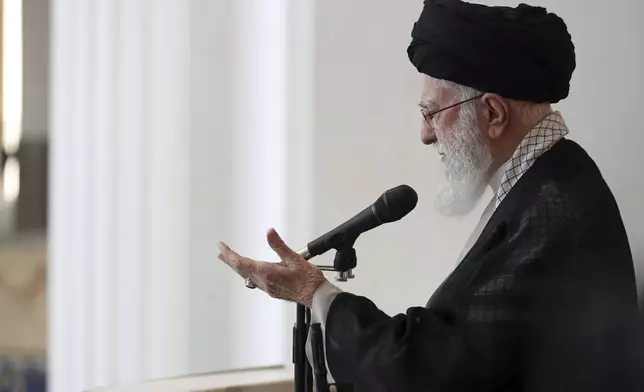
(416, 351)
(322, 300)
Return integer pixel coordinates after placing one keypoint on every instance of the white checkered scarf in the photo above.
(542, 137)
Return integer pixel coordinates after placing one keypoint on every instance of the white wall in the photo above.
(367, 140)
(367, 133)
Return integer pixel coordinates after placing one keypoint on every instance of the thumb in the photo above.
(277, 244)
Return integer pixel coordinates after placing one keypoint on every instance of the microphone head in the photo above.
(394, 204)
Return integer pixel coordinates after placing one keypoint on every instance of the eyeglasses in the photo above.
(428, 116)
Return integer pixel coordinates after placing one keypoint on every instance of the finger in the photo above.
(257, 271)
(277, 244)
(226, 254)
(235, 261)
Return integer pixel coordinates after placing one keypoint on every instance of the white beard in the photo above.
(467, 160)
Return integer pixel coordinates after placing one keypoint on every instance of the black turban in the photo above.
(522, 53)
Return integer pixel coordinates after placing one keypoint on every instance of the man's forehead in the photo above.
(434, 92)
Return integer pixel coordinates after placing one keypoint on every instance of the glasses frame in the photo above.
(429, 116)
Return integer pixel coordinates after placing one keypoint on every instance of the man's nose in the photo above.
(427, 134)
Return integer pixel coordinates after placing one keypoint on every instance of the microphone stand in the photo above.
(344, 262)
(302, 383)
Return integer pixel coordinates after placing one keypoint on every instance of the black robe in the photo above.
(544, 301)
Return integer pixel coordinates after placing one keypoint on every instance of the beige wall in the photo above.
(23, 329)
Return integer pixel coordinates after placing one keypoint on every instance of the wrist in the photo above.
(312, 289)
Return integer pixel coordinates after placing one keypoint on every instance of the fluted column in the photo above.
(174, 124)
(119, 196)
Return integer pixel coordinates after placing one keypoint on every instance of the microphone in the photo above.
(391, 206)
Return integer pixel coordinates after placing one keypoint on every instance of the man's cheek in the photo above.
(441, 135)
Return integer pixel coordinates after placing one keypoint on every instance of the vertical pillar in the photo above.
(173, 124)
(119, 204)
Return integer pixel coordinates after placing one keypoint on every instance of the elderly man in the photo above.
(544, 297)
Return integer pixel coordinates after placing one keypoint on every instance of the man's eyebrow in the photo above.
(427, 105)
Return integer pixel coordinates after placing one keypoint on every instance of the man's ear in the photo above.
(496, 113)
